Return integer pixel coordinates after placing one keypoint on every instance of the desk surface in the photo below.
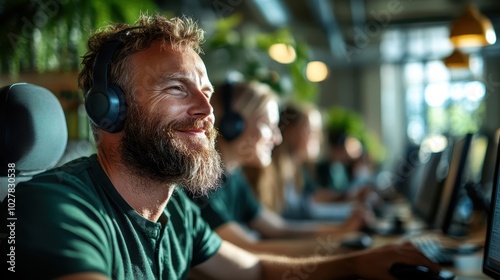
(466, 266)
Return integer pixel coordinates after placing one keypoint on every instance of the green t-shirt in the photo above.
(234, 201)
(71, 219)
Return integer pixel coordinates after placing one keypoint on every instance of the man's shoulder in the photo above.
(73, 169)
(71, 177)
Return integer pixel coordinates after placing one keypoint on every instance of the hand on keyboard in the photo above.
(431, 247)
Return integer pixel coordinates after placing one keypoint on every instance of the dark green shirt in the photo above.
(71, 219)
(234, 201)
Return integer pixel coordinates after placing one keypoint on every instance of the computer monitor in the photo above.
(428, 180)
(485, 185)
(482, 169)
(427, 187)
(455, 206)
(403, 173)
(491, 259)
(476, 160)
(488, 172)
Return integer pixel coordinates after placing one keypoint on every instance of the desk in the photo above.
(466, 267)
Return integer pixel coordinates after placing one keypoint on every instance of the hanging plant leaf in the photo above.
(51, 36)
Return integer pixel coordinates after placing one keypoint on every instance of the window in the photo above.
(437, 100)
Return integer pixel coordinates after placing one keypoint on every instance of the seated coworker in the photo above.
(347, 169)
(117, 214)
(233, 210)
(287, 185)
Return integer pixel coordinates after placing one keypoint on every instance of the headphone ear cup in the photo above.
(231, 125)
(107, 110)
(105, 102)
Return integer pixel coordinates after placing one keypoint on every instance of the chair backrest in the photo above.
(33, 132)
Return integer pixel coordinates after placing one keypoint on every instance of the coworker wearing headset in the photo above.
(247, 116)
(116, 215)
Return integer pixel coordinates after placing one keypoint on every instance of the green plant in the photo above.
(50, 35)
(234, 46)
(351, 123)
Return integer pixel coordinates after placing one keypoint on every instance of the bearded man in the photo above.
(121, 213)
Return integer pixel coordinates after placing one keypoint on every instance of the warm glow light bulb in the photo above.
(282, 53)
(316, 71)
(491, 37)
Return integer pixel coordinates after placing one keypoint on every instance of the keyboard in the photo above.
(431, 247)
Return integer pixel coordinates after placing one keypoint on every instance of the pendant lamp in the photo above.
(472, 29)
(457, 59)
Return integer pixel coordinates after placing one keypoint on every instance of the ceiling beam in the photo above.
(273, 11)
(358, 13)
(325, 10)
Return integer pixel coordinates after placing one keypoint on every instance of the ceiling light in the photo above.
(282, 53)
(472, 29)
(457, 59)
(316, 71)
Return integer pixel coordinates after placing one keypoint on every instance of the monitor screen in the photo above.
(455, 207)
(491, 261)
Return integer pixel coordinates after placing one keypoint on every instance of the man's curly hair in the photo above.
(176, 32)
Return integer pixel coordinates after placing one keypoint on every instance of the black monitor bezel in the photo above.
(449, 201)
(486, 269)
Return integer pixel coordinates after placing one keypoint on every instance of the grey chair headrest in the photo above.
(33, 128)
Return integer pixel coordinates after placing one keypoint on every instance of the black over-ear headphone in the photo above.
(231, 124)
(105, 103)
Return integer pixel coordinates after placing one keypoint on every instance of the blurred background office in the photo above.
(391, 62)
(410, 80)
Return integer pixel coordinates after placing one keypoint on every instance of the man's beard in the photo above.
(152, 150)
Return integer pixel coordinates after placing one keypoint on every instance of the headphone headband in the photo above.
(104, 58)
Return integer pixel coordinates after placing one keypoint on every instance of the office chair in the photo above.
(33, 133)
